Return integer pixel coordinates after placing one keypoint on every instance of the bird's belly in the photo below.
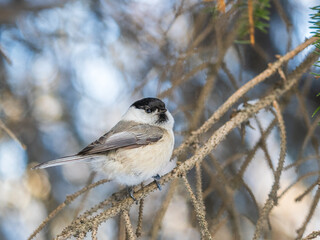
(135, 165)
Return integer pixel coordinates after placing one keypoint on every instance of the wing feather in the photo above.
(63, 160)
(131, 135)
(123, 135)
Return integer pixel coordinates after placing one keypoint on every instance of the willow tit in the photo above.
(135, 149)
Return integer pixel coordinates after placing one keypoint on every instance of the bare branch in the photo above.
(272, 199)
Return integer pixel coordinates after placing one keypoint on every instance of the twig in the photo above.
(140, 217)
(94, 234)
(181, 80)
(5, 56)
(299, 198)
(272, 198)
(310, 134)
(241, 92)
(309, 174)
(264, 146)
(302, 160)
(253, 151)
(121, 229)
(126, 218)
(12, 135)
(205, 234)
(81, 236)
(313, 206)
(312, 235)
(286, 20)
(215, 227)
(163, 209)
(86, 194)
(68, 200)
(233, 158)
(201, 103)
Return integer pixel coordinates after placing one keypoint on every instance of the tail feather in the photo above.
(61, 161)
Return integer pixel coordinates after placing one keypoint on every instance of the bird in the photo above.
(136, 149)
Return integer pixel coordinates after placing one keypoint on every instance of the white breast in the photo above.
(135, 165)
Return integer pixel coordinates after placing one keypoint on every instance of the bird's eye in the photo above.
(148, 110)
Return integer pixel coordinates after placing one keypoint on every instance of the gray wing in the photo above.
(124, 134)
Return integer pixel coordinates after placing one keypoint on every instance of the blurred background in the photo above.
(70, 69)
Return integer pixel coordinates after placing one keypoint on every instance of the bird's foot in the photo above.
(156, 179)
(130, 192)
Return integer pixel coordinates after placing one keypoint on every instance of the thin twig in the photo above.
(126, 218)
(312, 235)
(140, 217)
(302, 160)
(163, 209)
(309, 189)
(68, 200)
(199, 186)
(241, 92)
(253, 151)
(309, 174)
(272, 198)
(313, 206)
(12, 135)
(205, 234)
(5, 56)
(94, 234)
(121, 229)
(86, 194)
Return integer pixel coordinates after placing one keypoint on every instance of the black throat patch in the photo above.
(162, 118)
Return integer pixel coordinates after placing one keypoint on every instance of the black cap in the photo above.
(150, 103)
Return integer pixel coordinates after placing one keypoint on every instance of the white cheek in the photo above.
(140, 116)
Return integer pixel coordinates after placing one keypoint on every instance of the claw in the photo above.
(130, 192)
(156, 179)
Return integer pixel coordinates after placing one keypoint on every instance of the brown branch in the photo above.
(200, 213)
(199, 155)
(201, 103)
(5, 56)
(309, 189)
(121, 229)
(68, 200)
(140, 217)
(230, 75)
(253, 151)
(264, 147)
(309, 174)
(272, 199)
(126, 218)
(163, 209)
(302, 160)
(12, 135)
(94, 234)
(86, 194)
(312, 235)
(241, 92)
(184, 78)
(313, 206)
(310, 135)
